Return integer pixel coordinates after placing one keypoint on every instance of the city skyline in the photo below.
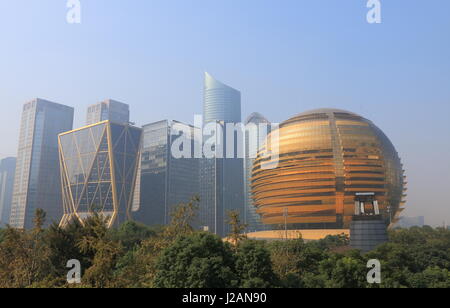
(395, 74)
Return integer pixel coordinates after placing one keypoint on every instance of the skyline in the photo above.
(396, 74)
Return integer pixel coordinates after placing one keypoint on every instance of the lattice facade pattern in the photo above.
(98, 171)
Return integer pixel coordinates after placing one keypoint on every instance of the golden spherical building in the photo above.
(320, 160)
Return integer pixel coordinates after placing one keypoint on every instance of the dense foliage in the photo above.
(178, 256)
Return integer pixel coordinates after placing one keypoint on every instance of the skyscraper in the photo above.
(221, 179)
(166, 179)
(221, 102)
(7, 170)
(99, 165)
(257, 130)
(37, 181)
(111, 110)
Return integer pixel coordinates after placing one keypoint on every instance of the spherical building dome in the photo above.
(312, 168)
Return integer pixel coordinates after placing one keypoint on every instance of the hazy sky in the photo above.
(286, 56)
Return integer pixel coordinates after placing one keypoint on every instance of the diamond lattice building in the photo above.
(98, 171)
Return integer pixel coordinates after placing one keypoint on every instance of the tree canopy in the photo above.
(177, 255)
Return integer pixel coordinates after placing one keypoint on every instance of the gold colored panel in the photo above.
(326, 157)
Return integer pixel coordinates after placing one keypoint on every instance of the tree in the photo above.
(2, 235)
(285, 260)
(106, 252)
(131, 234)
(39, 219)
(413, 256)
(432, 277)
(200, 260)
(182, 218)
(253, 265)
(138, 267)
(298, 264)
(342, 271)
(131, 271)
(334, 241)
(237, 228)
(178, 256)
(24, 256)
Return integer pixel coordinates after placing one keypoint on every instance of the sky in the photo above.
(285, 56)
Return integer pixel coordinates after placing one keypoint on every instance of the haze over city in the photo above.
(284, 58)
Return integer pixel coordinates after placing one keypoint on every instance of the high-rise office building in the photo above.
(167, 178)
(99, 164)
(257, 130)
(221, 102)
(7, 170)
(221, 177)
(37, 181)
(109, 110)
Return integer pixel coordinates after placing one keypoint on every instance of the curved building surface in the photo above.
(326, 157)
(221, 102)
(221, 179)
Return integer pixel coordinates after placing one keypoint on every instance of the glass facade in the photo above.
(108, 110)
(98, 171)
(221, 179)
(257, 130)
(7, 170)
(36, 183)
(221, 102)
(326, 157)
(166, 181)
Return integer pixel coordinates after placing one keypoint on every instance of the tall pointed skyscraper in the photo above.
(221, 102)
(37, 183)
(221, 179)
